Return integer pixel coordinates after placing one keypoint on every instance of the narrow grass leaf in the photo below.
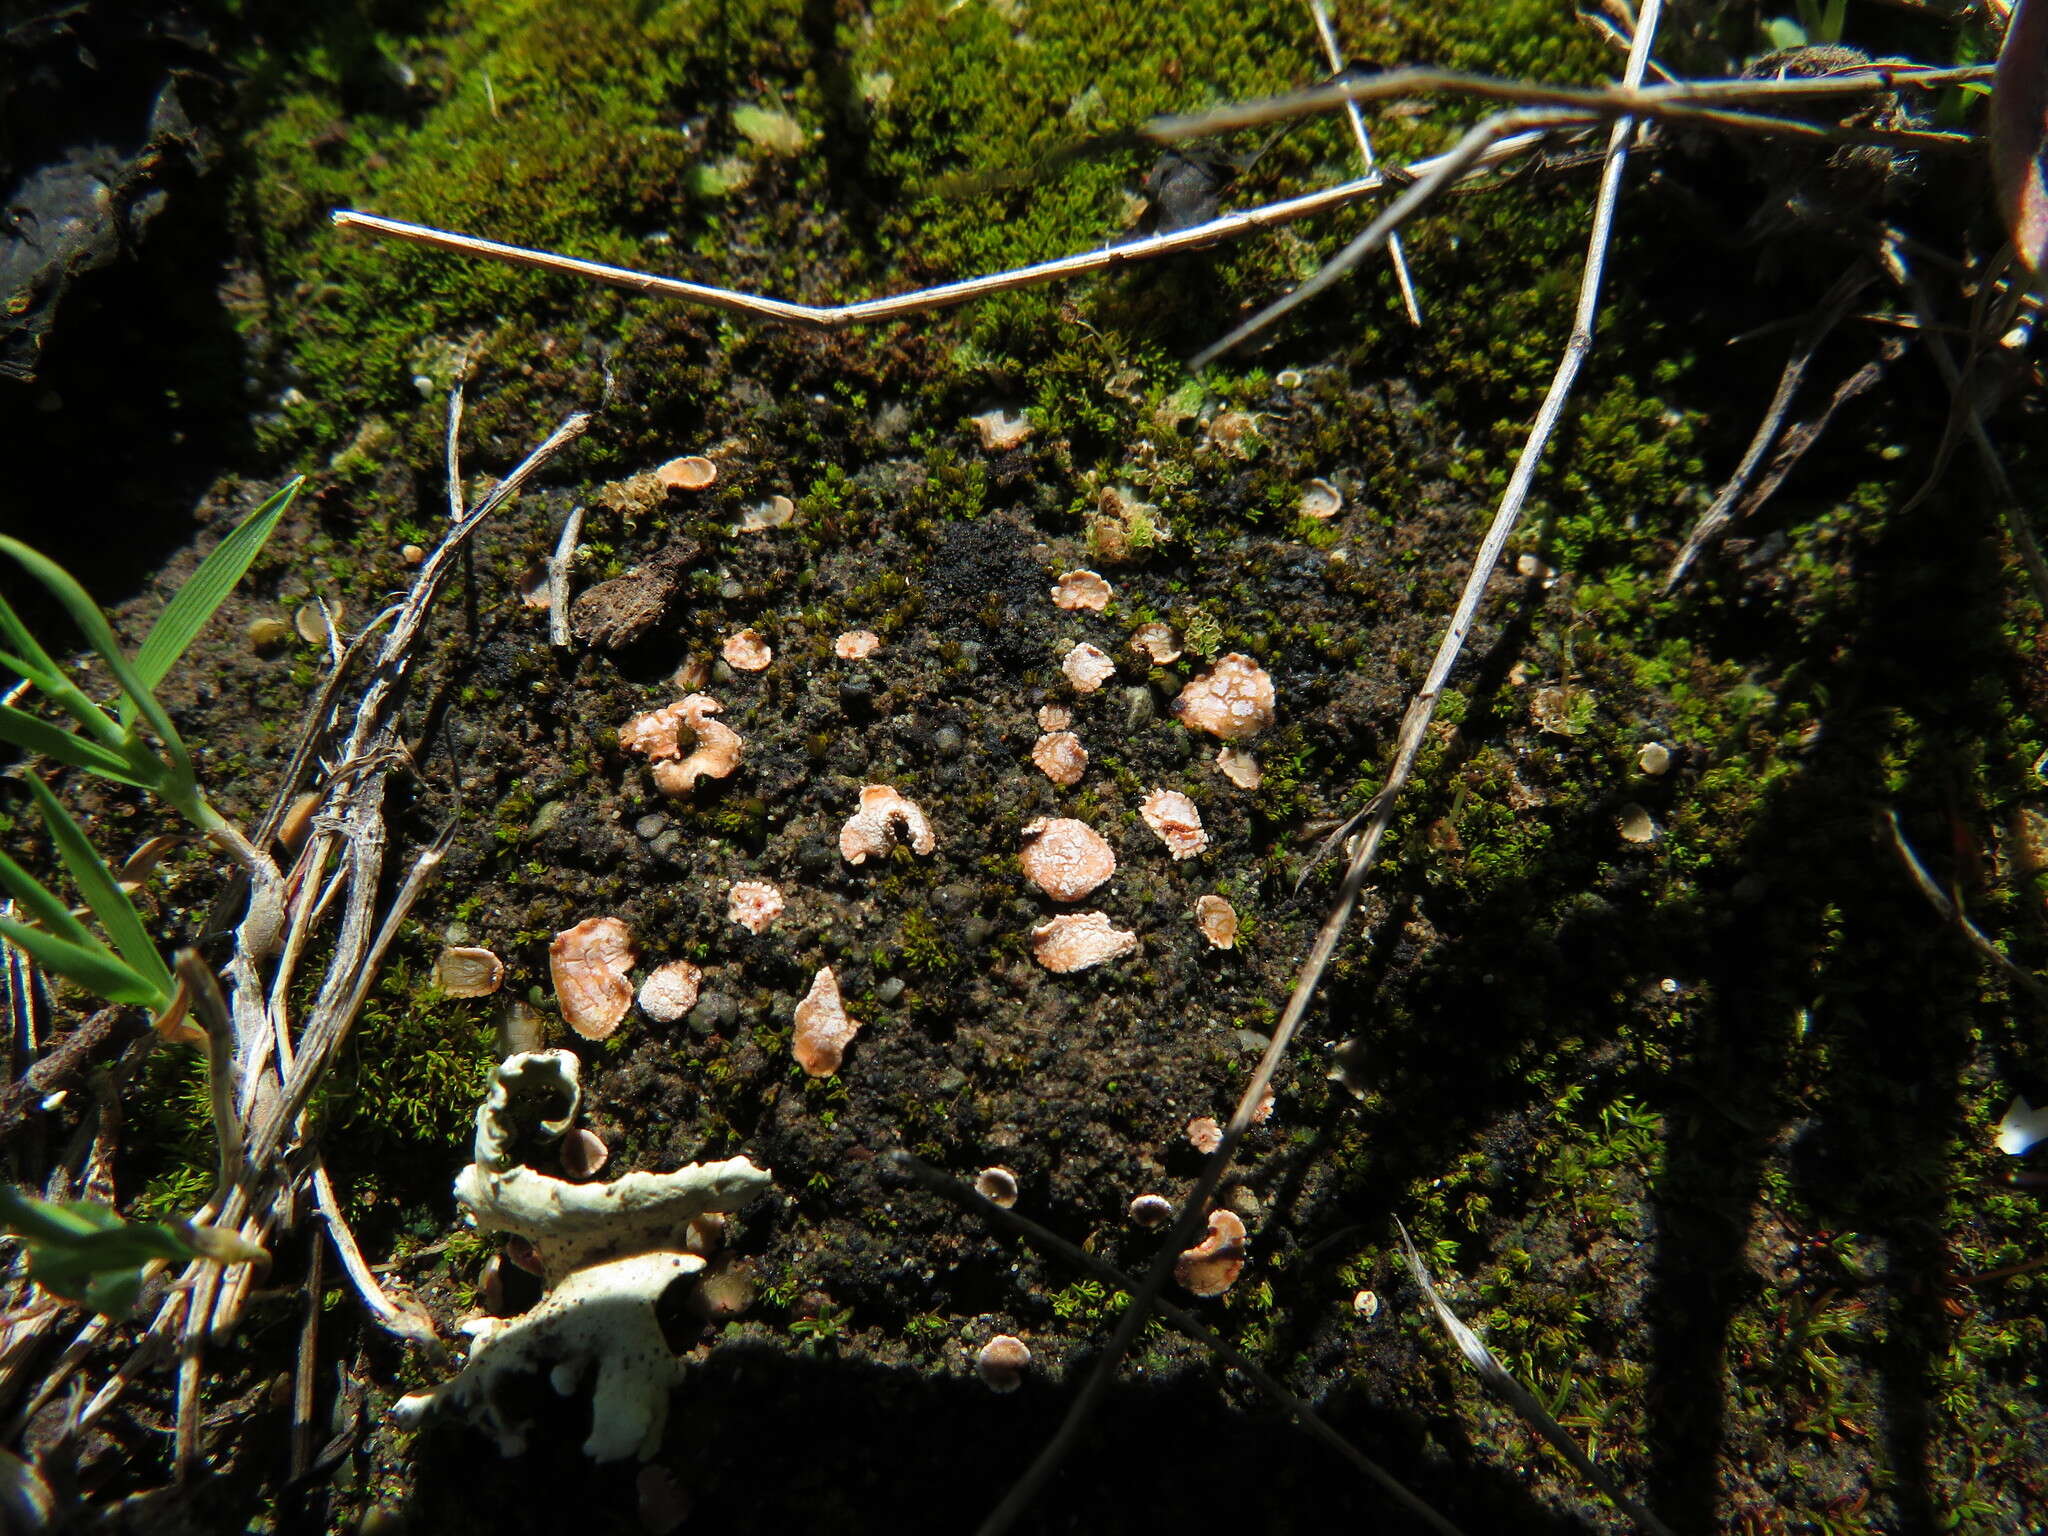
(39, 664)
(57, 687)
(38, 735)
(44, 1221)
(45, 905)
(102, 892)
(97, 970)
(99, 634)
(201, 596)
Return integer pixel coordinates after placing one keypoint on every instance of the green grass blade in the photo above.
(26, 730)
(102, 892)
(202, 595)
(23, 1215)
(99, 634)
(39, 664)
(99, 971)
(44, 904)
(58, 688)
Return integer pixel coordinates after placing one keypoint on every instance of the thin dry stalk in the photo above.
(305, 1370)
(1950, 909)
(1334, 52)
(1820, 325)
(1194, 1212)
(2017, 527)
(1476, 148)
(558, 578)
(454, 453)
(974, 1202)
(392, 1316)
(1502, 1382)
(813, 317)
(1707, 103)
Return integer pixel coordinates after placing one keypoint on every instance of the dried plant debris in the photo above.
(627, 609)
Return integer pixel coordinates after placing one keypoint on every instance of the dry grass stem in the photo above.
(1334, 52)
(558, 578)
(835, 317)
(1518, 1397)
(1819, 326)
(1949, 907)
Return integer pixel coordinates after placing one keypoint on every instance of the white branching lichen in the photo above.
(607, 1253)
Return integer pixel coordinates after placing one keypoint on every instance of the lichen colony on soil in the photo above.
(1689, 1126)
